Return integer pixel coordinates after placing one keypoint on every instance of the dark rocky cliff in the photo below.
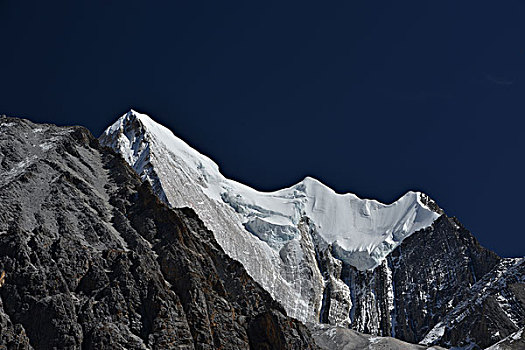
(422, 282)
(91, 259)
(492, 309)
(432, 271)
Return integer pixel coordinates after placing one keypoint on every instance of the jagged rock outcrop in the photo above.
(432, 271)
(94, 260)
(492, 309)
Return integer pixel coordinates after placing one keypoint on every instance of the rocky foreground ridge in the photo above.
(91, 259)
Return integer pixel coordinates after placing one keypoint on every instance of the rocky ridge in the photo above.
(412, 289)
(494, 306)
(90, 258)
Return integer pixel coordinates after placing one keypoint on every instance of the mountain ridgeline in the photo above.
(136, 241)
(395, 270)
(91, 259)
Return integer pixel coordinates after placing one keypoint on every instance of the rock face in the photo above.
(439, 287)
(392, 270)
(415, 287)
(330, 337)
(492, 309)
(419, 283)
(431, 272)
(515, 341)
(90, 258)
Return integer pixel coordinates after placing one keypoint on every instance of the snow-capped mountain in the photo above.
(403, 270)
(364, 231)
(91, 251)
(266, 231)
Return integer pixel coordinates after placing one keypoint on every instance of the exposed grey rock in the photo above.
(432, 270)
(94, 260)
(492, 309)
(515, 341)
(333, 337)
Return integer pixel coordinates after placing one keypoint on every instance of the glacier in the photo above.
(276, 235)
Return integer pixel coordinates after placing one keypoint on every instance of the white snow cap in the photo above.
(362, 231)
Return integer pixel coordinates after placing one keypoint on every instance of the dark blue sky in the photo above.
(370, 97)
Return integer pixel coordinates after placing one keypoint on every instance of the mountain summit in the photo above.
(263, 229)
(404, 269)
(94, 256)
(364, 231)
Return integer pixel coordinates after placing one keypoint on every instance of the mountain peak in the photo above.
(266, 231)
(352, 223)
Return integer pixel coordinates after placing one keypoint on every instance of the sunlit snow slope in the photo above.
(269, 232)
